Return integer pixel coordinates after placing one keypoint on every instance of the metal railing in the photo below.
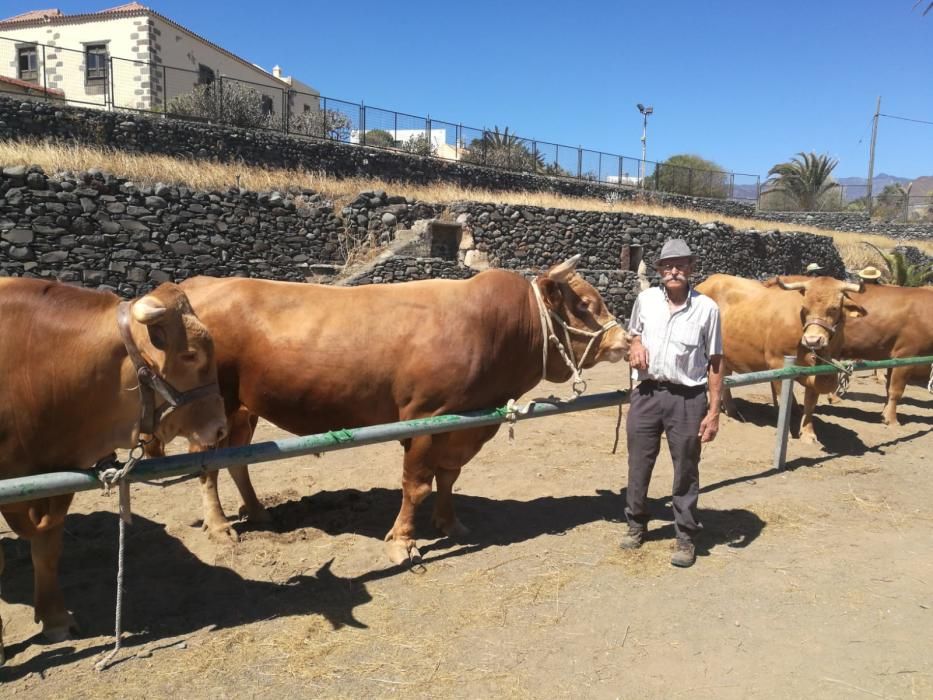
(58, 483)
(130, 84)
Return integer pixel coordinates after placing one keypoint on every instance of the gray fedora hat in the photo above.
(675, 248)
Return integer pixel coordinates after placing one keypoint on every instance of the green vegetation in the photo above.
(901, 272)
(690, 175)
(805, 182)
(504, 150)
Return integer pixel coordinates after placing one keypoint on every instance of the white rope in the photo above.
(547, 317)
(109, 477)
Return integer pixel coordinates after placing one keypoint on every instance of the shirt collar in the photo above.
(689, 294)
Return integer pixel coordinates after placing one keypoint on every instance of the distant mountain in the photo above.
(856, 187)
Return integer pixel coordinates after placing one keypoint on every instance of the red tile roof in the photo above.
(31, 86)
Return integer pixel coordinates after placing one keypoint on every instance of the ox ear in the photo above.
(851, 309)
(550, 290)
(770, 282)
(148, 310)
(565, 270)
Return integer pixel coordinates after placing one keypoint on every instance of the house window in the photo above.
(267, 108)
(28, 64)
(307, 109)
(205, 75)
(95, 62)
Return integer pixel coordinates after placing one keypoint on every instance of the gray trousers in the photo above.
(677, 411)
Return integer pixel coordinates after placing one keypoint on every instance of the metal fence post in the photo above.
(45, 84)
(427, 122)
(731, 185)
(458, 141)
(286, 94)
(164, 89)
(579, 161)
(657, 177)
(112, 90)
(324, 123)
(783, 424)
(220, 98)
(758, 192)
(362, 122)
(534, 155)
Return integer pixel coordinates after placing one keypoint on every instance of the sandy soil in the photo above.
(816, 582)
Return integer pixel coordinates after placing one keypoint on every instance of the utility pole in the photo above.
(644, 141)
(871, 154)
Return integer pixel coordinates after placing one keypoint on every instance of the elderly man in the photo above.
(676, 352)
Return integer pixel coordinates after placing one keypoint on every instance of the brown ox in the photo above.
(897, 322)
(311, 358)
(68, 398)
(760, 325)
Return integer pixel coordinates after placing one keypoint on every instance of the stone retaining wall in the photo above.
(856, 222)
(153, 133)
(100, 230)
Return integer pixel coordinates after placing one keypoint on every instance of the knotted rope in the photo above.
(109, 476)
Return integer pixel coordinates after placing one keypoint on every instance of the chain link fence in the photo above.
(95, 79)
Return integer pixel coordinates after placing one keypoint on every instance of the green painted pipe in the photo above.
(797, 371)
(57, 483)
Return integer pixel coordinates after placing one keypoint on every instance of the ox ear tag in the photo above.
(148, 310)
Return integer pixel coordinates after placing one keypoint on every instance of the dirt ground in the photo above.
(813, 582)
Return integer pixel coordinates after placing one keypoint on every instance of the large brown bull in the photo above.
(896, 322)
(311, 358)
(804, 317)
(69, 396)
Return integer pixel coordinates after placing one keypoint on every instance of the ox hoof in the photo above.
(808, 437)
(60, 630)
(221, 533)
(455, 530)
(889, 421)
(256, 516)
(403, 552)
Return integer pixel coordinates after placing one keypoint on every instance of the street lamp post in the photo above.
(645, 111)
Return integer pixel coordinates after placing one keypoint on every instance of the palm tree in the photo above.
(901, 272)
(505, 150)
(805, 179)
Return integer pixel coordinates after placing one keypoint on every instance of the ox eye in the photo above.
(583, 306)
(190, 356)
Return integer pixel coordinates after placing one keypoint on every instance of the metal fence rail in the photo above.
(57, 483)
(117, 83)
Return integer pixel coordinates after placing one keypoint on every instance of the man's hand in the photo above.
(709, 426)
(637, 354)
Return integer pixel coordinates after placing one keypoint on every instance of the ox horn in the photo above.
(565, 270)
(148, 310)
(853, 287)
(791, 286)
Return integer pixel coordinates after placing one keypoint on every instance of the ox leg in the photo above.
(728, 403)
(215, 520)
(47, 522)
(416, 485)
(807, 433)
(2, 653)
(449, 453)
(242, 426)
(896, 381)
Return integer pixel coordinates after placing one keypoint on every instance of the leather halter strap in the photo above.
(821, 323)
(150, 383)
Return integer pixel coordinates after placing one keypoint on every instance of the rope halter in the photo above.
(548, 317)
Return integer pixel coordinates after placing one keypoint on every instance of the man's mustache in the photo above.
(671, 277)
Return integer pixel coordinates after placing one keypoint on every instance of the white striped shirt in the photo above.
(679, 344)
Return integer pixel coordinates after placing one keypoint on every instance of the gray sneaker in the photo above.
(633, 537)
(684, 552)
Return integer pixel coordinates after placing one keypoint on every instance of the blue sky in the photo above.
(747, 83)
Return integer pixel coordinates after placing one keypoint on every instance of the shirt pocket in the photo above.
(688, 336)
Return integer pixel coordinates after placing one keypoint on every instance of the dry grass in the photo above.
(207, 175)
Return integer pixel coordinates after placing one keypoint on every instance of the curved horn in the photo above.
(791, 286)
(853, 287)
(148, 310)
(565, 270)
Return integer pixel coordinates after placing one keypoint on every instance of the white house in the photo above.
(402, 137)
(132, 57)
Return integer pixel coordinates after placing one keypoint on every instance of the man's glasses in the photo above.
(670, 266)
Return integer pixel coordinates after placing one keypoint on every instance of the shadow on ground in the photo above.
(169, 592)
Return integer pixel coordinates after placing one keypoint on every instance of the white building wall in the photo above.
(64, 58)
(153, 61)
(182, 55)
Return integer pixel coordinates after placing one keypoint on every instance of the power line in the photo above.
(905, 119)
